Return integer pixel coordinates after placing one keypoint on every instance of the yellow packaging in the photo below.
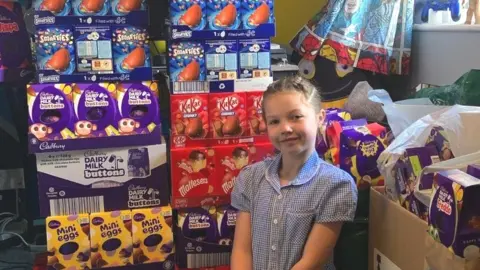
(111, 239)
(152, 235)
(68, 242)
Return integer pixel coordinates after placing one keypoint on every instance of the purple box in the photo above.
(198, 236)
(254, 58)
(454, 215)
(416, 159)
(221, 59)
(474, 170)
(100, 114)
(438, 138)
(103, 180)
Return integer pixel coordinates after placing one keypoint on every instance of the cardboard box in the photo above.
(396, 236)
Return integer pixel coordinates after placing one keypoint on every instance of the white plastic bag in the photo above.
(456, 126)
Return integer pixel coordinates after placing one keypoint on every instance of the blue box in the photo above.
(91, 7)
(256, 12)
(120, 9)
(55, 50)
(254, 58)
(57, 8)
(187, 61)
(94, 49)
(221, 58)
(224, 14)
(130, 48)
(191, 13)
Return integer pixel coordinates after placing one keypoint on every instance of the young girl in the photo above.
(292, 207)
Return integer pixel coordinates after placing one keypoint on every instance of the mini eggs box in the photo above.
(55, 49)
(256, 12)
(130, 48)
(56, 7)
(123, 7)
(91, 7)
(224, 14)
(191, 13)
(187, 61)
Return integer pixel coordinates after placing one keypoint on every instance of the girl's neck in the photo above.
(290, 167)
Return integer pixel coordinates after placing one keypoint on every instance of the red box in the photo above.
(228, 115)
(256, 123)
(193, 172)
(229, 161)
(261, 152)
(189, 117)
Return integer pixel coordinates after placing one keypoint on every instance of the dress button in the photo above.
(274, 248)
(280, 197)
(275, 221)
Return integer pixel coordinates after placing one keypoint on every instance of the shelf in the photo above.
(443, 53)
(182, 32)
(138, 74)
(136, 18)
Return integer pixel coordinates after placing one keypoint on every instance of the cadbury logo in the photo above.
(181, 34)
(97, 221)
(227, 104)
(54, 224)
(139, 217)
(190, 105)
(131, 37)
(187, 51)
(51, 146)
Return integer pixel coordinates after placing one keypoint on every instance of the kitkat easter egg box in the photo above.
(153, 236)
(193, 172)
(189, 13)
(189, 118)
(228, 115)
(56, 7)
(123, 7)
(256, 12)
(229, 161)
(454, 215)
(224, 14)
(91, 7)
(68, 243)
(256, 122)
(130, 48)
(55, 51)
(111, 239)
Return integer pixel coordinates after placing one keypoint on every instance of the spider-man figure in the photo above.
(310, 47)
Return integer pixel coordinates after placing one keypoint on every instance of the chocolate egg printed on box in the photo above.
(51, 114)
(130, 48)
(14, 40)
(123, 7)
(187, 61)
(256, 12)
(96, 110)
(224, 14)
(56, 7)
(191, 13)
(55, 49)
(138, 108)
(91, 7)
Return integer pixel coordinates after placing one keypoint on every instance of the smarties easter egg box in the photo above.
(187, 67)
(68, 243)
(65, 117)
(254, 58)
(256, 12)
(204, 235)
(99, 180)
(224, 14)
(221, 59)
(189, 13)
(89, 7)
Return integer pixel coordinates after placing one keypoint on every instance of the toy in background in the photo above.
(224, 14)
(192, 14)
(55, 49)
(451, 6)
(256, 12)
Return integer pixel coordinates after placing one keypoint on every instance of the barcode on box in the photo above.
(72, 206)
(207, 260)
(190, 87)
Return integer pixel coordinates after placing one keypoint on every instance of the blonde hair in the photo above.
(295, 84)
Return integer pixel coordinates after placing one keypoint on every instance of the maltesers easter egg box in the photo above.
(66, 117)
(100, 180)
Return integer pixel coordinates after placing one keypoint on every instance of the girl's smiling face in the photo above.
(292, 123)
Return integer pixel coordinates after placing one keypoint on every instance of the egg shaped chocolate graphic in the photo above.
(134, 59)
(83, 256)
(227, 16)
(152, 241)
(199, 226)
(192, 17)
(367, 153)
(194, 128)
(111, 245)
(54, 6)
(231, 126)
(128, 225)
(260, 15)
(68, 249)
(126, 6)
(169, 221)
(91, 6)
(191, 72)
(59, 61)
(167, 247)
(50, 116)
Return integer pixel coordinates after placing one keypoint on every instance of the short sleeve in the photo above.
(242, 191)
(340, 200)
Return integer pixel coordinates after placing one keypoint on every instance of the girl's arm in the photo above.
(242, 245)
(319, 246)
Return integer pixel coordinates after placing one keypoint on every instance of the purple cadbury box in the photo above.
(454, 216)
(102, 180)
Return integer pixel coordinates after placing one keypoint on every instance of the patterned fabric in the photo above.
(374, 35)
(282, 217)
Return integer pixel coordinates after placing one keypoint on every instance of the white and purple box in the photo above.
(221, 57)
(254, 58)
(454, 215)
(103, 180)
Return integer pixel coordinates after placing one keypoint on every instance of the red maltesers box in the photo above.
(262, 151)
(229, 161)
(189, 117)
(228, 115)
(256, 123)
